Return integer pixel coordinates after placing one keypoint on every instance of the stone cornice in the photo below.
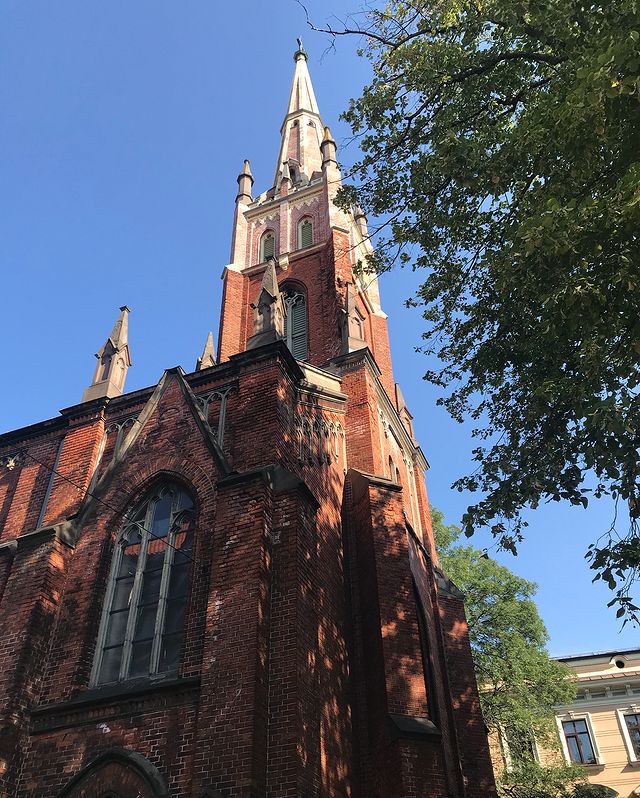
(65, 532)
(257, 208)
(117, 701)
(33, 431)
(279, 479)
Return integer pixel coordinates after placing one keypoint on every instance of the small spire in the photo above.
(113, 361)
(208, 356)
(360, 218)
(269, 310)
(328, 149)
(245, 184)
(352, 323)
(270, 279)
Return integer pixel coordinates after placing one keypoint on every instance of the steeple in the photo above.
(208, 357)
(113, 361)
(301, 131)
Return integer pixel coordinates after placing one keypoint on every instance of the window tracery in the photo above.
(142, 623)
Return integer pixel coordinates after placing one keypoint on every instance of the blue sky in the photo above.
(124, 127)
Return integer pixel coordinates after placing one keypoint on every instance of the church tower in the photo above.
(225, 585)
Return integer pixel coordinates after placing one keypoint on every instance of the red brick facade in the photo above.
(322, 652)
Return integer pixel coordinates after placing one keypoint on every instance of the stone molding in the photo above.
(413, 726)
(96, 706)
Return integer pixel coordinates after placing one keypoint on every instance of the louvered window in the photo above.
(305, 233)
(267, 247)
(142, 622)
(296, 325)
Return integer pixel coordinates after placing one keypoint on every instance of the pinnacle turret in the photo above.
(208, 356)
(113, 361)
(245, 184)
(269, 310)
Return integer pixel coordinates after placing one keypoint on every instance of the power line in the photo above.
(111, 507)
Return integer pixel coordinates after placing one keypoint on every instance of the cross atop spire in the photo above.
(301, 129)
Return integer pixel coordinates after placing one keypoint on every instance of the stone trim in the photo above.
(275, 349)
(64, 531)
(413, 727)
(122, 700)
(33, 431)
(276, 477)
(9, 548)
(379, 482)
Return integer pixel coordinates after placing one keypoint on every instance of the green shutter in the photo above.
(306, 234)
(296, 326)
(268, 246)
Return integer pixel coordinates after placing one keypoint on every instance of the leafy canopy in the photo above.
(501, 140)
(519, 683)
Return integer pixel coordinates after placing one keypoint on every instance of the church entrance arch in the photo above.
(117, 773)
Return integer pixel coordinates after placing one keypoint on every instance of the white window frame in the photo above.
(586, 716)
(506, 748)
(634, 709)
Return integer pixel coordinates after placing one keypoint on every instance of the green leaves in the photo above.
(505, 139)
(519, 683)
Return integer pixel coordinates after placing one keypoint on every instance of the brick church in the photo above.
(225, 584)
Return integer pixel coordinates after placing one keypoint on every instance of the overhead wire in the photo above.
(126, 517)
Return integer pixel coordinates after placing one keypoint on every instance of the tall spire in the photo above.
(301, 131)
(113, 361)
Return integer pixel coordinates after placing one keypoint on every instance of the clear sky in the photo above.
(124, 126)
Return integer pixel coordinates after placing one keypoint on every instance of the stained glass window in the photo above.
(142, 624)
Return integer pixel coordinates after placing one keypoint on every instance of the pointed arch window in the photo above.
(305, 233)
(267, 246)
(142, 620)
(295, 325)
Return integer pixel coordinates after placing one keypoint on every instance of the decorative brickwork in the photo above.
(323, 655)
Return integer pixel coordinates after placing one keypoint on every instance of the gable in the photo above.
(171, 435)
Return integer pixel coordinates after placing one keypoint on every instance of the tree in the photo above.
(519, 683)
(501, 144)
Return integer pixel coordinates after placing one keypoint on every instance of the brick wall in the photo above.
(302, 631)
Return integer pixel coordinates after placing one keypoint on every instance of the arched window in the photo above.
(295, 325)
(305, 233)
(142, 620)
(267, 246)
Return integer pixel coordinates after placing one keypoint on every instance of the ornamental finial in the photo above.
(300, 52)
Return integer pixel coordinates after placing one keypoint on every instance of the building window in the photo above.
(579, 742)
(633, 727)
(630, 727)
(267, 246)
(295, 325)
(305, 233)
(142, 621)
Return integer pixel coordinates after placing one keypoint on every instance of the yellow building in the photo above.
(600, 729)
